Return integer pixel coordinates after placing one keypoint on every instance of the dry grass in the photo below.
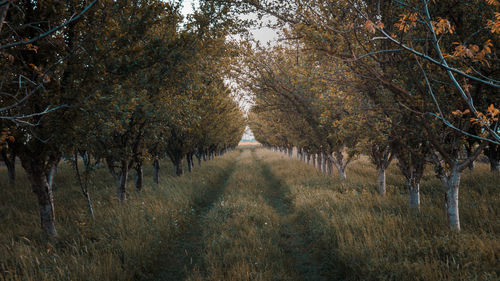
(123, 242)
(254, 215)
(242, 231)
(356, 235)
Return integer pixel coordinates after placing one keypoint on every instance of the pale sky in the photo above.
(187, 7)
(263, 35)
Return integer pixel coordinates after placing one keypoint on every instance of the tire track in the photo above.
(293, 241)
(186, 255)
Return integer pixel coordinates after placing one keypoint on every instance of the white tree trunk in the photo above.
(413, 194)
(340, 167)
(452, 184)
(342, 173)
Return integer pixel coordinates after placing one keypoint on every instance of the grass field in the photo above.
(254, 215)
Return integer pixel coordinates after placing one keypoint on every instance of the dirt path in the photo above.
(244, 230)
(293, 237)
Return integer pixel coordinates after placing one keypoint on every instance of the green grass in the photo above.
(254, 215)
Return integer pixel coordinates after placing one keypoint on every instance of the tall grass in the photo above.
(254, 215)
(123, 242)
(242, 231)
(357, 235)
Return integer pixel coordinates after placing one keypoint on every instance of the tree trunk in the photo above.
(308, 159)
(314, 160)
(156, 171)
(451, 185)
(342, 173)
(471, 165)
(413, 194)
(10, 163)
(320, 161)
(122, 182)
(83, 186)
(340, 165)
(3, 13)
(11, 171)
(493, 154)
(138, 177)
(494, 165)
(40, 186)
(178, 166)
(204, 156)
(381, 181)
(325, 163)
(189, 162)
(413, 173)
(330, 166)
(51, 175)
(469, 154)
(198, 156)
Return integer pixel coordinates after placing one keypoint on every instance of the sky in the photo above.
(264, 35)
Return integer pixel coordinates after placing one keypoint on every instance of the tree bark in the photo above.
(3, 13)
(324, 159)
(338, 160)
(11, 171)
(156, 171)
(83, 187)
(342, 173)
(451, 185)
(381, 181)
(413, 194)
(330, 166)
(189, 159)
(494, 165)
(138, 177)
(122, 182)
(381, 156)
(10, 163)
(178, 166)
(318, 162)
(50, 177)
(198, 156)
(35, 169)
(493, 154)
(413, 175)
